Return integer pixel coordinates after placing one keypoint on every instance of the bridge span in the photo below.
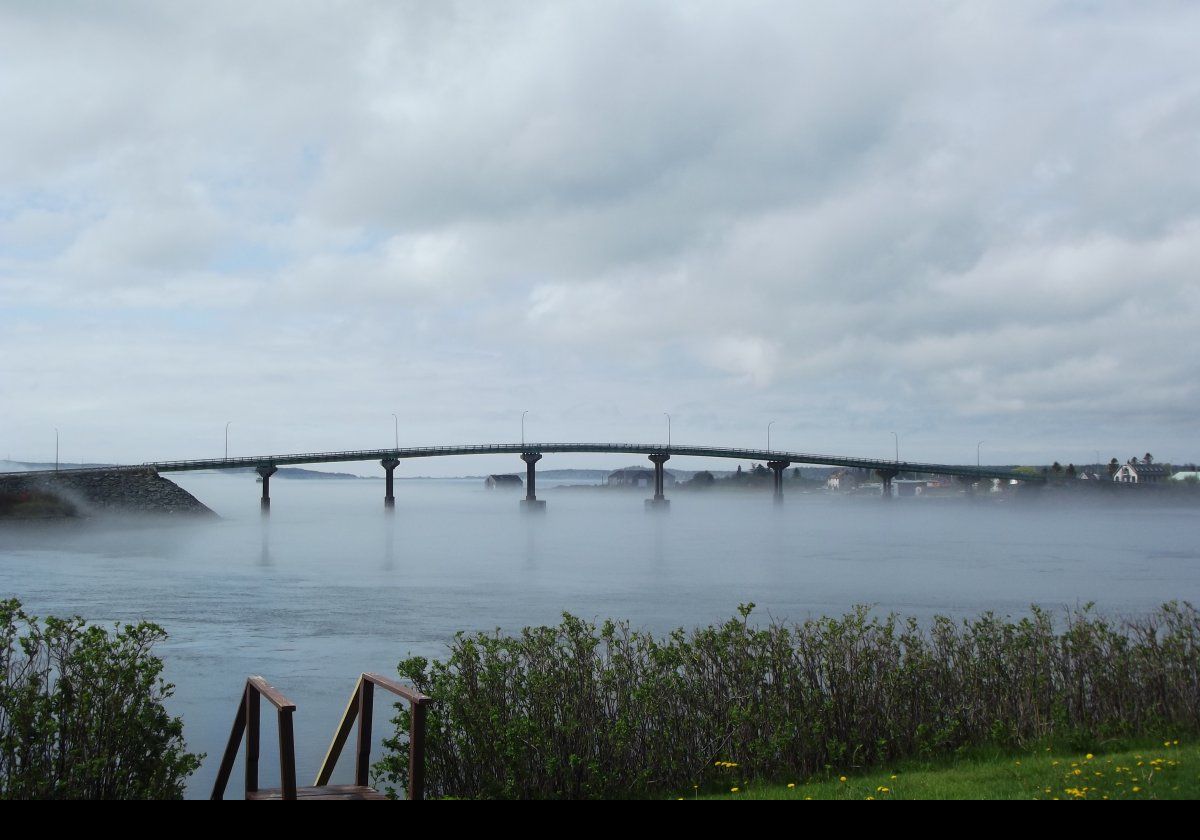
(531, 453)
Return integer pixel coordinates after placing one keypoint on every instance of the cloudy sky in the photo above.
(953, 221)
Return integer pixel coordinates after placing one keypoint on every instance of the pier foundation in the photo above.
(531, 502)
(266, 471)
(660, 501)
(777, 467)
(389, 497)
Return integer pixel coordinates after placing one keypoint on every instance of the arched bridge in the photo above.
(531, 453)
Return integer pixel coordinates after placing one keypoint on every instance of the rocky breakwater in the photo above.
(94, 492)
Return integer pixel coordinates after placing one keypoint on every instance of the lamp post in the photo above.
(769, 425)
(668, 416)
(227, 439)
(523, 413)
(897, 437)
(396, 427)
(977, 461)
(56, 448)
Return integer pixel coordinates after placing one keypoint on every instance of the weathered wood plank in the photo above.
(357, 792)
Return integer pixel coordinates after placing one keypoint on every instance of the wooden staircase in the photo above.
(360, 708)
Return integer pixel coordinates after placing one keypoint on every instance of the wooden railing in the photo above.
(360, 707)
(246, 722)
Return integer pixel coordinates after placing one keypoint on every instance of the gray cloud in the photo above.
(959, 221)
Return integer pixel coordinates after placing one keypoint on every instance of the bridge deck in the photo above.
(594, 448)
(600, 448)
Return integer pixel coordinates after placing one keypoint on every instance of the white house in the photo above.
(1139, 473)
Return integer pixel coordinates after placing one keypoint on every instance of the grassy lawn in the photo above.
(1149, 770)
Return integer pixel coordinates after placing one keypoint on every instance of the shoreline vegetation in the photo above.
(1070, 705)
(595, 711)
(82, 714)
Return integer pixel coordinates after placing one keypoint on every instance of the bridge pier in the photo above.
(777, 467)
(660, 501)
(886, 477)
(389, 498)
(531, 502)
(266, 471)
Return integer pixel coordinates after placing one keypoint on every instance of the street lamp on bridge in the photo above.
(977, 461)
(668, 416)
(523, 413)
(769, 425)
(56, 448)
(227, 439)
(396, 427)
(897, 437)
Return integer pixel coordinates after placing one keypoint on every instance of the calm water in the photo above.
(331, 585)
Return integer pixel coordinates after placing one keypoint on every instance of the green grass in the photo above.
(1145, 770)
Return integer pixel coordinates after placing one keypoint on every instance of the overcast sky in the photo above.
(953, 221)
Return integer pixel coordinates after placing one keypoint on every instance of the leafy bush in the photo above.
(587, 711)
(81, 714)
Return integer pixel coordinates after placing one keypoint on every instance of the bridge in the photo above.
(531, 453)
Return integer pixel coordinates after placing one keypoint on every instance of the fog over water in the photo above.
(331, 585)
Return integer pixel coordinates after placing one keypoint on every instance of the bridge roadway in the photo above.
(658, 453)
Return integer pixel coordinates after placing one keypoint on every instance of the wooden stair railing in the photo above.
(360, 707)
(246, 721)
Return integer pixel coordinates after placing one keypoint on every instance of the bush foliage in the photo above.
(587, 711)
(81, 714)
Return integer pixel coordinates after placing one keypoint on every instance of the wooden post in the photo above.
(287, 755)
(231, 751)
(416, 753)
(362, 757)
(251, 739)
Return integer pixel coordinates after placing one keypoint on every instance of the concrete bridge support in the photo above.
(777, 467)
(389, 498)
(531, 501)
(660, 501)
(266, 471)
(886, 477)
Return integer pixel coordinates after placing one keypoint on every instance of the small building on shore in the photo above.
(637, 477)
(510, 481)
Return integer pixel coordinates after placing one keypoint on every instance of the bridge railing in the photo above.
(736, 453)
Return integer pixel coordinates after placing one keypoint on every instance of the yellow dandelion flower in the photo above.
(1089, 756)
(791, 784)
(733, 790)
(1137, 789)
(841, 778)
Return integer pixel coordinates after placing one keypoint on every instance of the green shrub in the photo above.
(81, 714)
(587, 711)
